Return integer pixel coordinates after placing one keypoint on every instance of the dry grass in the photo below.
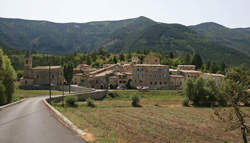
(115, 121)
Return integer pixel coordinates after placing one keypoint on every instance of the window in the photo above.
(52, 76)
(160, 83)
(37, 76)
(165, 82)
(26, 82)
(156, 83)
(151, 83)
(27, 61)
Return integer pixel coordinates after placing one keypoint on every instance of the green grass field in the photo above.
(20, 93)
(161, 119)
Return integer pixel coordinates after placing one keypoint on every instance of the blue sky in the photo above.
(231, 13)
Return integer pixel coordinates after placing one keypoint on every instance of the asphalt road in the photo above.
(31, 122)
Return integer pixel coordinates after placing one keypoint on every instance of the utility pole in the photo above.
(63, 86)
(49, 81)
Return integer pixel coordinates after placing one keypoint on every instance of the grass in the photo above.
(114, 120)
(20, 93)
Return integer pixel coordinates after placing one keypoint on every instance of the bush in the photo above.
(203, 93)
(135, 101)
(90, 102)
(113, 94)
(71, 101)
(185, 102)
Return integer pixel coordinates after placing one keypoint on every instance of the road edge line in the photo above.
(11, 104)
(65, 121)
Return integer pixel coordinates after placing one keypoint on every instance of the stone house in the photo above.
(135, 60)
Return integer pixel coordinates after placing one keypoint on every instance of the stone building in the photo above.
(151, 76)
(151, 60)
(39, 76)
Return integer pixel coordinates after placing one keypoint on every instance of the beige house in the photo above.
(151, 60)
(151, 76)
(39, 76)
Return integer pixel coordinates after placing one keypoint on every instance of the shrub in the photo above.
(185, 102)
(71, 101)
(113, 94)
(90, 102)
(203, 93)
(135, 101)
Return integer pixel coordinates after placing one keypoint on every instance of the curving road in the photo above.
(31, 122)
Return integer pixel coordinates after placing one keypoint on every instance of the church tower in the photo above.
(27, 64)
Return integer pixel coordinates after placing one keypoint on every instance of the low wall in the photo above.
(96, 95)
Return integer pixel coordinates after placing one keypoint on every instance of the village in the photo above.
(136, 74)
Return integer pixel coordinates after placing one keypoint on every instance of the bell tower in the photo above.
(27, 65)
(28, 61)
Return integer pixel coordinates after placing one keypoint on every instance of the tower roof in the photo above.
(28, 54)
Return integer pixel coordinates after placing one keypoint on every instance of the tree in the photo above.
(213, 68)
(197, 61)
(7, 79)
(122, 57)
(187, 59)
(88, 61)
(235, 93)
(171, 55)
(68, 73)
(114, 60)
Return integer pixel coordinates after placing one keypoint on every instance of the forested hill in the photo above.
(129, 35)
(238, 38)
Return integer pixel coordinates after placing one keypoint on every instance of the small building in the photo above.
(190, 74)
(151, 60)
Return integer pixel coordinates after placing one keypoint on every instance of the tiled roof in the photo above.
(46, 67)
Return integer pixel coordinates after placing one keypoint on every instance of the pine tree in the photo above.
(197, 61)
(171, 55)
(115, 60)
(187, 59)
(68, 73)
(122, 57)
(88, 61)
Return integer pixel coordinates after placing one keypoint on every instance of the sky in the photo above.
(230, 13)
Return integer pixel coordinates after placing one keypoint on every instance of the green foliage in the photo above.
(2, 94)
(197, 61)
(203, 93)
(7, 79)
(71, 101)
(90, 102)
(68, 72)
(19, 74)
(135, 101)
(185, 102)
(187, 59)
(113, 94)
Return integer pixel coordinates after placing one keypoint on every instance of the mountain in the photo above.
(180, 40)
(115, 36)
(57, 38)
(238, 39)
